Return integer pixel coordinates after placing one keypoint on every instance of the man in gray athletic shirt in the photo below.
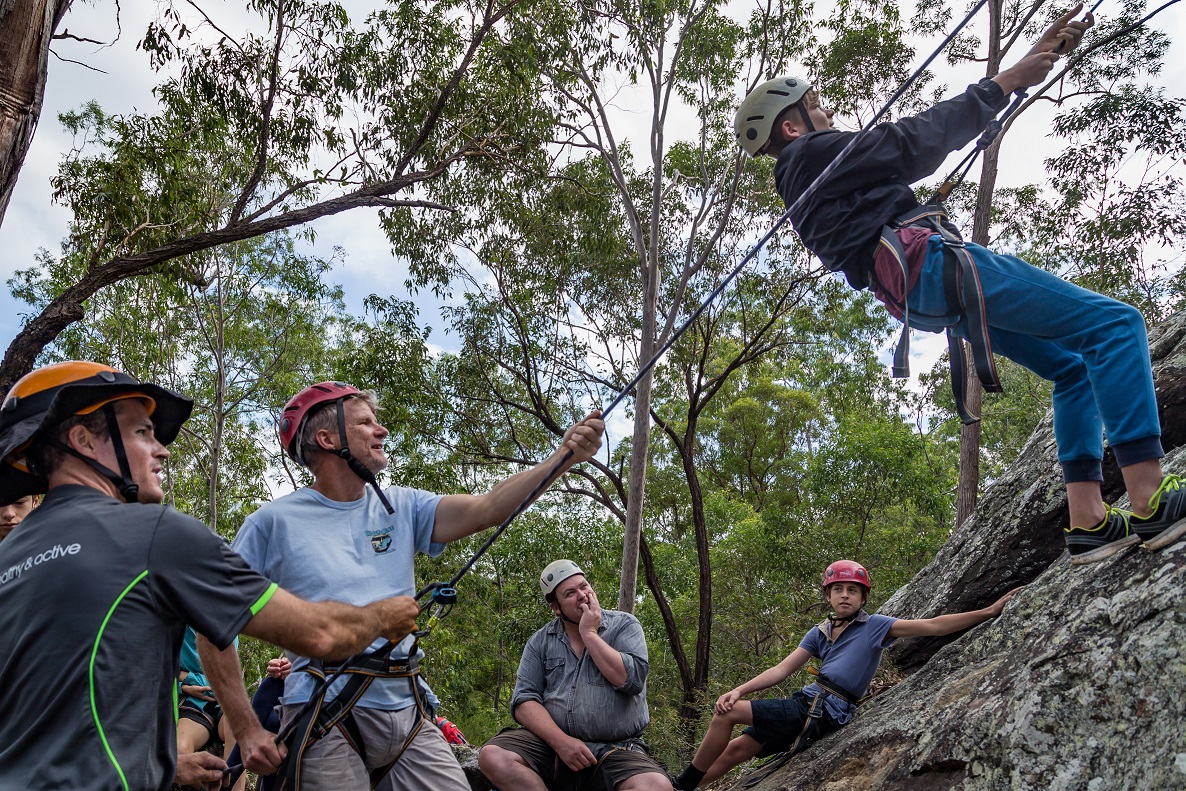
(97, 587)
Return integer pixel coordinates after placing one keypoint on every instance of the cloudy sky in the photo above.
(119, 78)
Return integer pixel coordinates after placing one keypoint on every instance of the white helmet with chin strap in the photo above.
(555, 573)
(755, 118)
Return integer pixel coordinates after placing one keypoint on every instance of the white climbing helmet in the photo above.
(555, 573)
(755, 117)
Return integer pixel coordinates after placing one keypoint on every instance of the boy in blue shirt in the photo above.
(862, 220)
(849, 644)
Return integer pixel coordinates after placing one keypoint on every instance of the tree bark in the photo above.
(641, 442)
(968, 490)
(26, 28)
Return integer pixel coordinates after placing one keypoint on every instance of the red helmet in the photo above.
(847, 571)
(296, 412)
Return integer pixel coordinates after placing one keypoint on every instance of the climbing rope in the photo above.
(442, 595)
(436, 589)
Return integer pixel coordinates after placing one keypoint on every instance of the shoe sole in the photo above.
(1106, 551)
(1167, 536)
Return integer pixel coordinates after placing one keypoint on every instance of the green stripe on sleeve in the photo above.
(262, 600)
(91, 677)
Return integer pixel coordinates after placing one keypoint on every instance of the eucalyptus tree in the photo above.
(580, 267)
(303, 116)
(249, 326)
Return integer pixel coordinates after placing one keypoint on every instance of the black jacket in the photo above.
(842, 220)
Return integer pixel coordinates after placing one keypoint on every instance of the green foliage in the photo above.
(239, 340)
(779, 444)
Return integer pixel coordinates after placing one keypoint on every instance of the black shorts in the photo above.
(615, 762)
(782, 724)
(208, 714)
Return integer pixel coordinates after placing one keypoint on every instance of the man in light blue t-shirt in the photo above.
(849, 644)
(354, 542)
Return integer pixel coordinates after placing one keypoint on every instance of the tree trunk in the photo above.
(26, 28)
(969, 471)
(640, 447)
(689, 710)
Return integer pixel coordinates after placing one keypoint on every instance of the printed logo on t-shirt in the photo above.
(380, 540)
(14, 571)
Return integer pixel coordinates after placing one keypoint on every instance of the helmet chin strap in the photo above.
(123, 482)
(802, 105)
(354, 464)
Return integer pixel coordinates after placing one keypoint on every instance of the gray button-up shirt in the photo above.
(572, 690)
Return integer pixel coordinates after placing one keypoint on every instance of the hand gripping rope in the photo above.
(443, 595)
(994, 128)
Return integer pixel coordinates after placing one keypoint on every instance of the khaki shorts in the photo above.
(615, 762)
(427, 764)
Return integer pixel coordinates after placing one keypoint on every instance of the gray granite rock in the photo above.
(1080, 685)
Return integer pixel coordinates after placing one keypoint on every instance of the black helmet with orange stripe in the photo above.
(47, 397)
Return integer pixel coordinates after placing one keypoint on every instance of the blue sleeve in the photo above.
(810, 641)
(190, 662)
(422, 507)
(879, 626)
(252, 542)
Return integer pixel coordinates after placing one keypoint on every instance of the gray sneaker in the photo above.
(1092, 544)
(1168, 522)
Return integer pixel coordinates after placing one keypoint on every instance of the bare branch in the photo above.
(75, 62)
(265, 124)
(66, 34)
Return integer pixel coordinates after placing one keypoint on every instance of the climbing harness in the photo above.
(316, 718)
(317, 721)
(964, 295)
(814, 718)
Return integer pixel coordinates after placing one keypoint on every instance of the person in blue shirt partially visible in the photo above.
(850, 644)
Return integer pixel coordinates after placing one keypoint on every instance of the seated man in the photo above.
(581, 698)
(98, 584)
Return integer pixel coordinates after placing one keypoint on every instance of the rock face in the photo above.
(1080, 684)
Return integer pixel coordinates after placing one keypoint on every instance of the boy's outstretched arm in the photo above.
(946, 624)
(1060, 38)
(767, 678)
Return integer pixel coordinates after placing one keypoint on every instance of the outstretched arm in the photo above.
(329, 629)
(767, 678)
(461, 515)
(946, 624)
(260, 752)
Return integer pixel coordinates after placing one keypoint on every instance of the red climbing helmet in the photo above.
(296, 412)
(847, 571)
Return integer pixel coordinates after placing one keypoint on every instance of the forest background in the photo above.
(532, 196)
